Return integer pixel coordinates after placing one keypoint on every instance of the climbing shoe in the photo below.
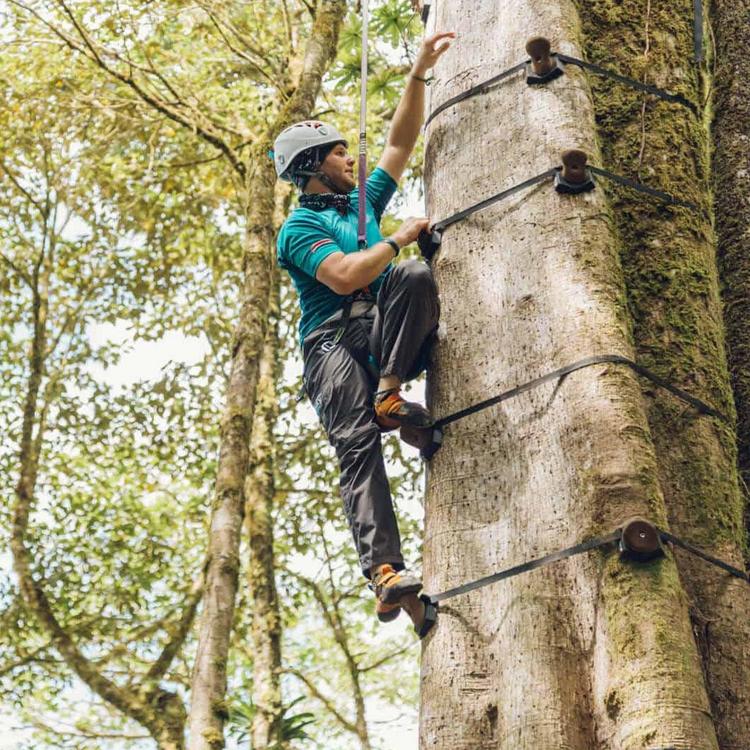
(391, 589)
(391, 411)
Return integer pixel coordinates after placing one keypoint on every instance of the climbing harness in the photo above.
(574, 176)
(362, 172)
(544, 66)
(638, 540)
(431, 439)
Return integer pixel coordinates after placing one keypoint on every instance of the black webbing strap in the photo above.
(540, 562)
(667, 537)
(627, 81)
(485, 86)
(425, 13)
(443, 223)
(577, 549)
(480, 88)
(641, 188)
(699, 405)
(345, 316)
(698, 30)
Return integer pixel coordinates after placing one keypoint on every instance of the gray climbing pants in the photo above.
(394, 337)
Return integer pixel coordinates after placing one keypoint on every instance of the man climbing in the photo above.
(366, 325)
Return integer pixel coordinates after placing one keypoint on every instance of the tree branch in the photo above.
(327, 702)
(19, 272)
(161, 665)
(88, 50)
(29, 197)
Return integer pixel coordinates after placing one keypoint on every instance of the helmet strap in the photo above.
(324, 178)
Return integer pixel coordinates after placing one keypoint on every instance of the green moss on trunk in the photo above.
(670, 267)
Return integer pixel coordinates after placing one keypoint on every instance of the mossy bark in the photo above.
(208, 711)
(669, 259)
(259, 502)
(731, 183)
(563, 657)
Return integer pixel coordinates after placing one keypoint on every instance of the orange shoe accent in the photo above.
(391, 411)
(390, 589)
(391, 403)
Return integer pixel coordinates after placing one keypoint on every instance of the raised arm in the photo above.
(410, 111)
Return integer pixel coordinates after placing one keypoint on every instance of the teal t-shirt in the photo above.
(308, 237)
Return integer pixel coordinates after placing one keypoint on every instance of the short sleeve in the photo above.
(380, 189)
(305, 242)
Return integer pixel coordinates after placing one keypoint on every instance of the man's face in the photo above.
(339, 166)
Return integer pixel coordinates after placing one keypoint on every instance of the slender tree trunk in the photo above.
(208, 708)
(593, 652)
(259, 502)
(161, 712)
(731, 182)
(670, 265)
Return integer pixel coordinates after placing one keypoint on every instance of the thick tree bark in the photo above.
(593, 652)
(208, 710)
(259, 502)
(731, 183)
(669, 257)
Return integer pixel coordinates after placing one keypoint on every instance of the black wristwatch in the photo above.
(393, 244)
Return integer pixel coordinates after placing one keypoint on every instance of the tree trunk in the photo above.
(593, 652)
(259, 495)
(161, 712)
(669, 257)
(208, 707)
(731, 182)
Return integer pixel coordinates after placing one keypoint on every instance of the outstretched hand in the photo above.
(432, 49)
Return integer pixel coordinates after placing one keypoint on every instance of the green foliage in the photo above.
(241, 716)
(147, 250)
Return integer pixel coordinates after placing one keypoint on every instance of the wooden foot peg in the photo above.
(544, 67)
(574, 177)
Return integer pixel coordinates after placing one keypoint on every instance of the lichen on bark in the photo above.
(669, 259)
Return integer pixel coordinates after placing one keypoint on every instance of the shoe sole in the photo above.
(417, 437)
(394, 421)
(389, 615)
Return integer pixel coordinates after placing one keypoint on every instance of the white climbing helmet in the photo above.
(297, 138)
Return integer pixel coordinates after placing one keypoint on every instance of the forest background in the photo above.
(122, 225)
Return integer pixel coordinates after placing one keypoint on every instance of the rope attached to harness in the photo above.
(362, 170)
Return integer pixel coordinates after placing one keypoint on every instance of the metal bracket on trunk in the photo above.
(574, 177)
(429, 243)
(640, 541)
(425, 13)
(543, 67)
(430, 615)
(427, 439)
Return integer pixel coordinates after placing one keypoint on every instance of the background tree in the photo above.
(185, 279)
